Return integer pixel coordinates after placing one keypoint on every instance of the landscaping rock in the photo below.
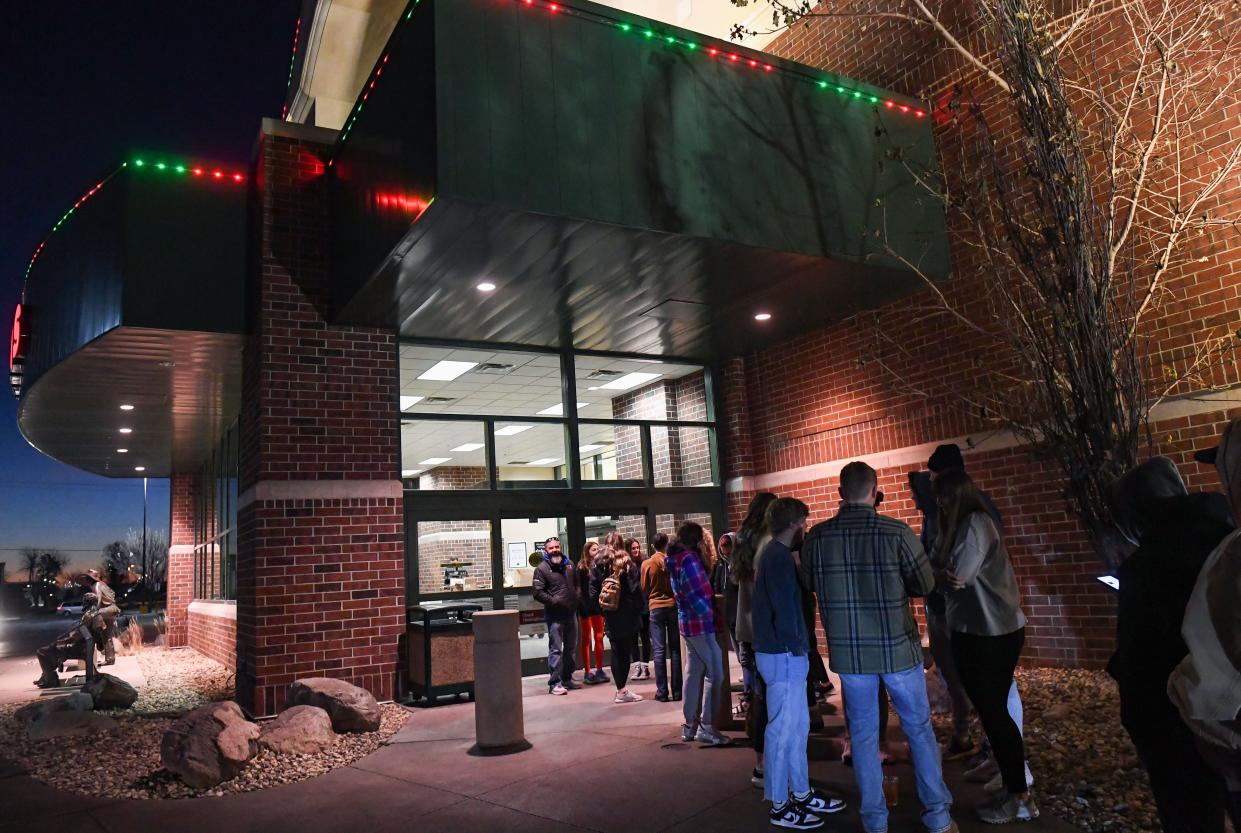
(211, 744)
(109, 692)
(39, 709)
(66, 724)
(352, 709)
(301, 730)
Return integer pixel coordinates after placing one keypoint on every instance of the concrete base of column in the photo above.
(499, 720)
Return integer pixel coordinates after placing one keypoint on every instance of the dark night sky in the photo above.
(85, 83)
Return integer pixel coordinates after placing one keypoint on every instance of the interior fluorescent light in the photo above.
(544, 461)
(468, 447)
(408, 402)
(433, 461)
(558, 409)
(410, 472)
(446, 371)
(591, 447)
(632, 380)
(510, 430)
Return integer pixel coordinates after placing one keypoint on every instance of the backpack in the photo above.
(609, 593)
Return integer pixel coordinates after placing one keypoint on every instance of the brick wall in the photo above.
(213, 631)
(320, 577)
(455, 541)
(443, 478)
(821, 396)
(180, 558)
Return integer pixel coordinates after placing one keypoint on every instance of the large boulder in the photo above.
(352, 709)
(109, 692)
(301, 730)
(39, 709)
(210, 744)
(67, 724)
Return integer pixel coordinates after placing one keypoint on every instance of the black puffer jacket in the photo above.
(555, 587)
(587, 601)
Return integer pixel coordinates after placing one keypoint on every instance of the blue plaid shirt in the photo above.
(865, 567)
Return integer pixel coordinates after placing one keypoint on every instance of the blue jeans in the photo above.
(704, 680)
(665, 648)
(908, 692)
(785, 768)
(561, 649)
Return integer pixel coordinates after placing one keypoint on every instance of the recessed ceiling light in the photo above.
(446, 371)
(127, 430)
(486, 286)
(591, 447)
(468, 447)
(408, 402)
(510, 430)
(433, 461)
(410, 472)
(558, 409)
(127, 407)
(631, 380)
(140, 468)
(544, 461)
(122, 451)
(762, 316)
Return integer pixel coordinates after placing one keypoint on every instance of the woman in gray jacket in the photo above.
(983, 608)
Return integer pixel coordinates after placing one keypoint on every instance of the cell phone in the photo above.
(1110, 581)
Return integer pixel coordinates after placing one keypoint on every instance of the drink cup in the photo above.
(891, 789)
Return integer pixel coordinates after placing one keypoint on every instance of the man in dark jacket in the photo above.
(1174, 532)
(555, 587)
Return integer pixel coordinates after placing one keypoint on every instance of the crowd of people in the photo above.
(1176, 662)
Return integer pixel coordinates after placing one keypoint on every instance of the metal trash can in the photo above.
(440, 642)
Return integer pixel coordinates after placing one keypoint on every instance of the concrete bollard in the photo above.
(499, 722)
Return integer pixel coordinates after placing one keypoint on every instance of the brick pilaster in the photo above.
(180, 578)
(320, 573)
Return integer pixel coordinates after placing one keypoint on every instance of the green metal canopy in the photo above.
(624, 184)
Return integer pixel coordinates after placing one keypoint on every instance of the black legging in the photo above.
(985, 665)
(622, 635)
(640, 645)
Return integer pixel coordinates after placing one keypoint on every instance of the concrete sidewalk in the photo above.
(17, 676)
(593, 766)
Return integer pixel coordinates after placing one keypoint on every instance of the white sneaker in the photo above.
(996, 784)
(558, 689)
(626, 696)
(1008, 808)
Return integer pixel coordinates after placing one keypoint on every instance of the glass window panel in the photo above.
(631, 527)
(442, 455)
(611, 453)
(647, 389)
(446, 380)
(681, 455)
(453, 556)
(521, 544)
(668, 524)
(530, 453)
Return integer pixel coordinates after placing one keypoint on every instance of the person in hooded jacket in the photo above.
(1174, 533)
(623, 622)
(555, 587)
(1206, 686)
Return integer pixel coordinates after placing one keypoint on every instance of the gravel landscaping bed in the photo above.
(125, 762)
(1085, 767)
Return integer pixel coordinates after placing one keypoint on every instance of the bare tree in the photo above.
(1111, 179)
(156, 554)
(30, 562)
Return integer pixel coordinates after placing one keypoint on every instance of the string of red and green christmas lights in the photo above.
(297, 32)
(182, 169)
(655, 36)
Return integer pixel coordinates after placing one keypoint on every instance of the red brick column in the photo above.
(180, 579)
(321, 560)
(737, 441)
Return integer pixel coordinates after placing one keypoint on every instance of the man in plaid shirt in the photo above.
(704, 674)
(864, 568)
